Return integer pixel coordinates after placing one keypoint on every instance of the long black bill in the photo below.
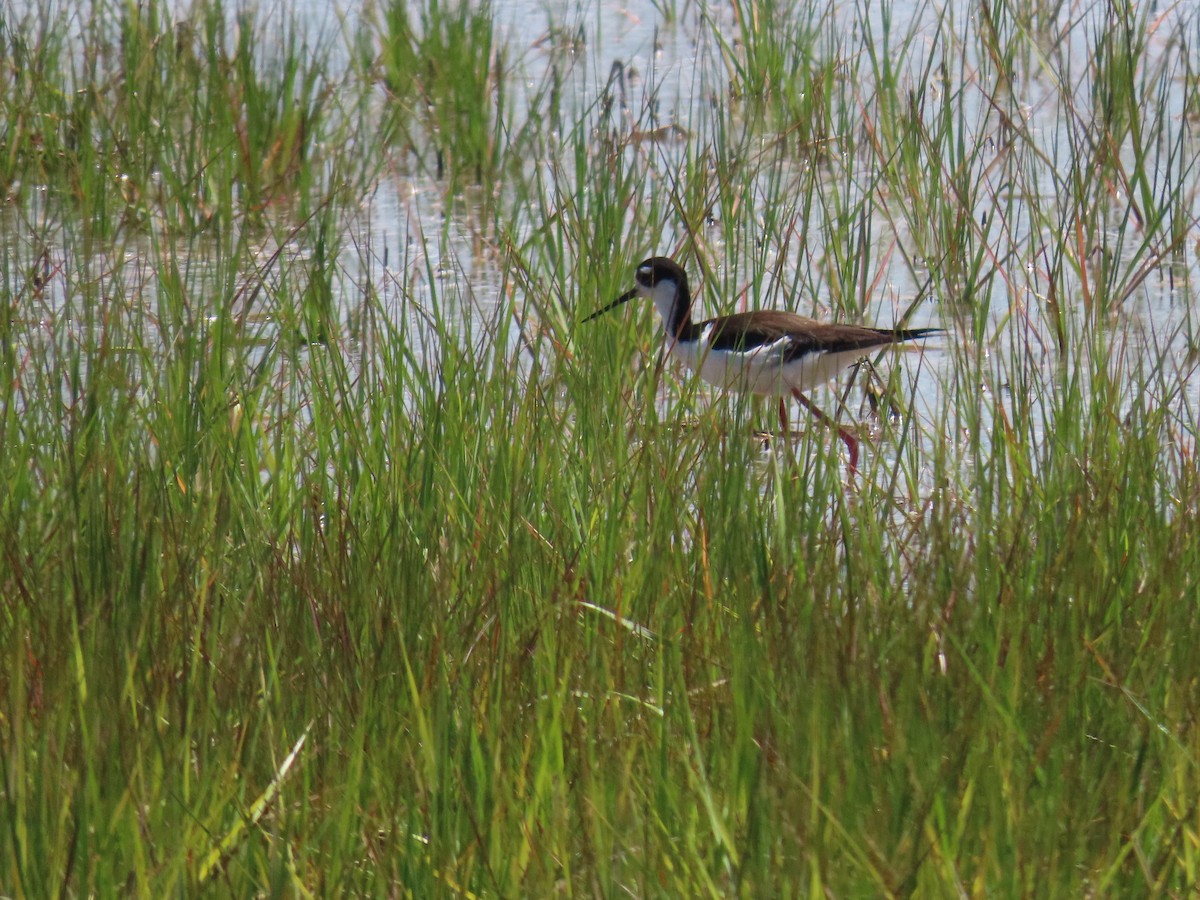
(624, 298)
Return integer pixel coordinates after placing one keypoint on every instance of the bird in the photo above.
(765, 352)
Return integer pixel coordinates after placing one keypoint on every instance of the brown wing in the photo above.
(745, 331)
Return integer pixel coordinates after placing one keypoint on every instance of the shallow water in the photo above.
(407, 233)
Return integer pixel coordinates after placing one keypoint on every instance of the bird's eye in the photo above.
(644, 273)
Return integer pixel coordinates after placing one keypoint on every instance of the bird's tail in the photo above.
(913, 334)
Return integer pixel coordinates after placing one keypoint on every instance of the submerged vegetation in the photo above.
(339, 558)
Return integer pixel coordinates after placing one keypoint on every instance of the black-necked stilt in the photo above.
(763, 352)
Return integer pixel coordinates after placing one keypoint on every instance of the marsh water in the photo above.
(672, 62)
(658, 74)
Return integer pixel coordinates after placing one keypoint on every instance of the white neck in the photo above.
(665, 295)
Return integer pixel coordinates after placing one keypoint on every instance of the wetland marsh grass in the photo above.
(339, 560)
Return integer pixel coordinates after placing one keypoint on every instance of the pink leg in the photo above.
(848, 439)
(783, 416)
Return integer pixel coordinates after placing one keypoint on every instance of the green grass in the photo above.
(343, 559)
(448, 89)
